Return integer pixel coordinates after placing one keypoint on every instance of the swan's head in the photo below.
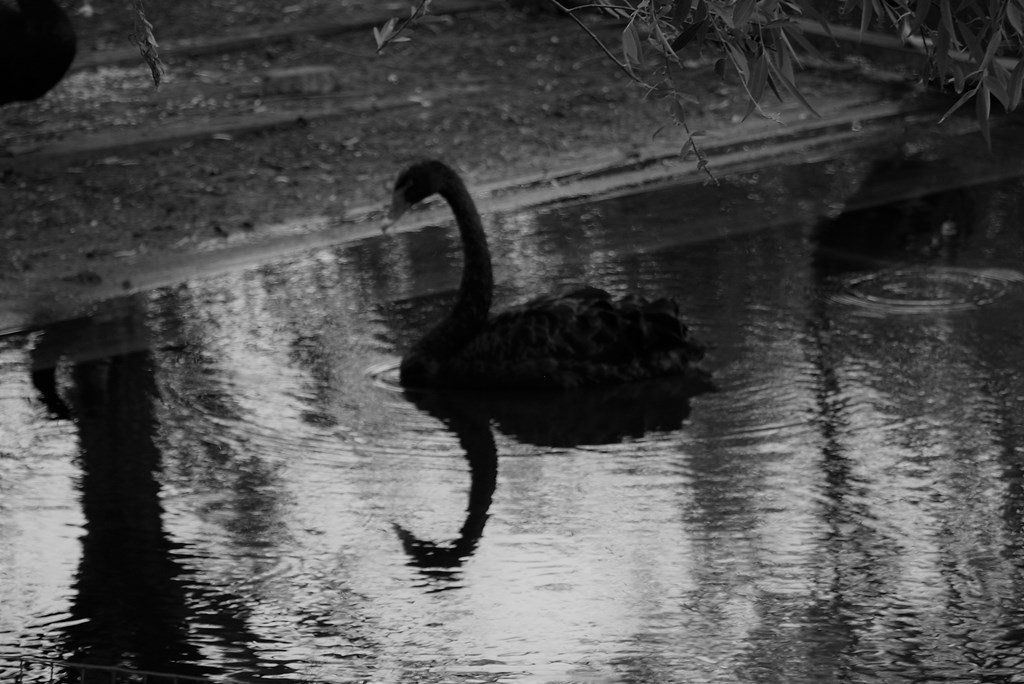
(415, 184)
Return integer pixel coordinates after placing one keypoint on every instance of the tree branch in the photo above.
(604, 48)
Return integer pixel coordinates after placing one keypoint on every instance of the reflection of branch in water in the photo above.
(134, 595)
(892, 218)
(559, 419)
(131, 600)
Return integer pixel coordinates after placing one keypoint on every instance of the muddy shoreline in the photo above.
(106, 179)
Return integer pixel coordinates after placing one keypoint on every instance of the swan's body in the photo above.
(578, 339)
(37, 45)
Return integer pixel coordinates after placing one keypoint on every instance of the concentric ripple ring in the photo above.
(926, 290)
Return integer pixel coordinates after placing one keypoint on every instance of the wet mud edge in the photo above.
(845, 125)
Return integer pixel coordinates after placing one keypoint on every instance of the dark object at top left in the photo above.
(37, 45)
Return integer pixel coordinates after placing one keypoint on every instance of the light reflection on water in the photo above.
(238, 494)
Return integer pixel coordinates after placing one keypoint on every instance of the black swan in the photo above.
(37, 45)
(579, 339)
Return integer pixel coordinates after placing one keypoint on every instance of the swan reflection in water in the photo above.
(566, 419)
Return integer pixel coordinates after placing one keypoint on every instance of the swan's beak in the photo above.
(398, 207)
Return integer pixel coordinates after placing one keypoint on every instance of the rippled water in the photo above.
(217, 479)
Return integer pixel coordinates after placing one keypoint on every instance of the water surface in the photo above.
(216, 480)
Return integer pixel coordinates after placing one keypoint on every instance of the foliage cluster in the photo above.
(972, 45)
(969, 43)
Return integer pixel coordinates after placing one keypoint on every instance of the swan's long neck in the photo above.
(477, 286)
(472, 306)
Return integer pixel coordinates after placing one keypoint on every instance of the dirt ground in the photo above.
(106, 169)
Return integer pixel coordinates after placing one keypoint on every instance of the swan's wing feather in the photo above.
(582, 338)
(587, 326)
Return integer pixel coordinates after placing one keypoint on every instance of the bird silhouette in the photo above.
(577, 339)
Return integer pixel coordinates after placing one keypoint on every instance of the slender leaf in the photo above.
(739, 60)
(687, 148)
(808, 8)
(1016, 82)
(680, 11)
(631, 43)
(995, 40)
(687, 35)
(973, 44)
(960, 74)
(998, 89)
(920, 15)
(780, 40)
(793, 32)
(700, 12)
(788, 84)
(866, 16)
(946, 15)
(958, 104)
(756, 83)
(1013, 16)
(982, 111)
(741, 12)
(677, 111)
(702, 28)
(941, 53)
(784, 59)
(758, 77)
(999, 71)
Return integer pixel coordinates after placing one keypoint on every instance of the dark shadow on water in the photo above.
(550, 419)
(918, 225)
(45, 382)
